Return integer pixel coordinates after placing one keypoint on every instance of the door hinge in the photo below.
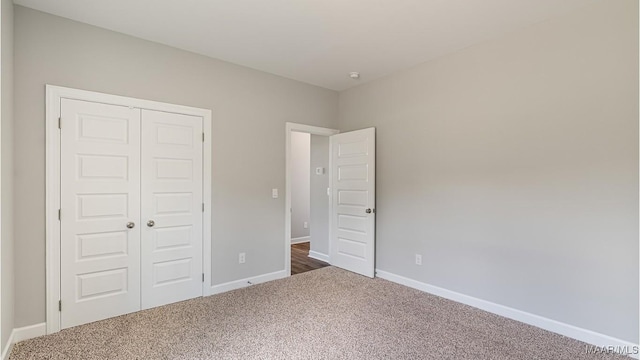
(202, 277)
(202, 137)
(202, 207)
(59, 305)
(60, 123)
(59, 214)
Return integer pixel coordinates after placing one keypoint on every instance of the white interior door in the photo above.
(353, 160)
(100, 211)
(171, 207)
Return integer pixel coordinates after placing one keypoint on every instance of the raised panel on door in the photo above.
(353, 201)
(100, 195)
(171, 207)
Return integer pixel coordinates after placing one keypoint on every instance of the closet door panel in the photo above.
(171, 207)
(100, 211)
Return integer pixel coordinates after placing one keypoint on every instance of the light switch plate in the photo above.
(274, 193)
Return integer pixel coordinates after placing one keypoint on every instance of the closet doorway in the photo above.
(130, 185)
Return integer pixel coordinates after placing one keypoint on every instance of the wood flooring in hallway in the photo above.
(300, 260)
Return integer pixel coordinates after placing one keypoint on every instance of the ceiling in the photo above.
(314, 41)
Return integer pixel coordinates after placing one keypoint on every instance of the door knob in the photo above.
(368, 211)
(131, 225)
(150, 223)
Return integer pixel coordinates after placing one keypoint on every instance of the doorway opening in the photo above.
(346, 197)
(308, 202)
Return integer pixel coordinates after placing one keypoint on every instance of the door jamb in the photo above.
(54, 94)
(313, 130)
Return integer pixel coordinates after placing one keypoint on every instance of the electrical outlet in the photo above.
(305, 225)
(241, 258)
(418, 259)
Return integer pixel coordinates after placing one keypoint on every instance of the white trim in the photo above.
(208, 200)
(300, 240)
(574, 332)
(6, 348)
(313, 130)
(52, 230)
(29, 332)
(3, 347)
(238, 284)
(21, 334)
(319, 256)
(54, 94)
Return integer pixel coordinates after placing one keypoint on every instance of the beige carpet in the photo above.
(323, 314)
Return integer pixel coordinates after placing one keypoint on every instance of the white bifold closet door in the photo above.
(131, 218)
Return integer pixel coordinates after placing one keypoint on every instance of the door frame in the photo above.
(313, 130)
(54, 95)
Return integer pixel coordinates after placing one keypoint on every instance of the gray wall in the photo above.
(250, 109)
(300, 197)
(6, 180)
(319, 199)
(512, 167)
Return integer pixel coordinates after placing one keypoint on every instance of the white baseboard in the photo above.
(237, 284)
(6, 348)
(21, 334)
(319, 256)
(300, 240)
(574, 332)
(29, 332)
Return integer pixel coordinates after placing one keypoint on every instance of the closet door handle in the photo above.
(150, 223)
(131, 225)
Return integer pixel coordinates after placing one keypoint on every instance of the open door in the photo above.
(353, 162)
